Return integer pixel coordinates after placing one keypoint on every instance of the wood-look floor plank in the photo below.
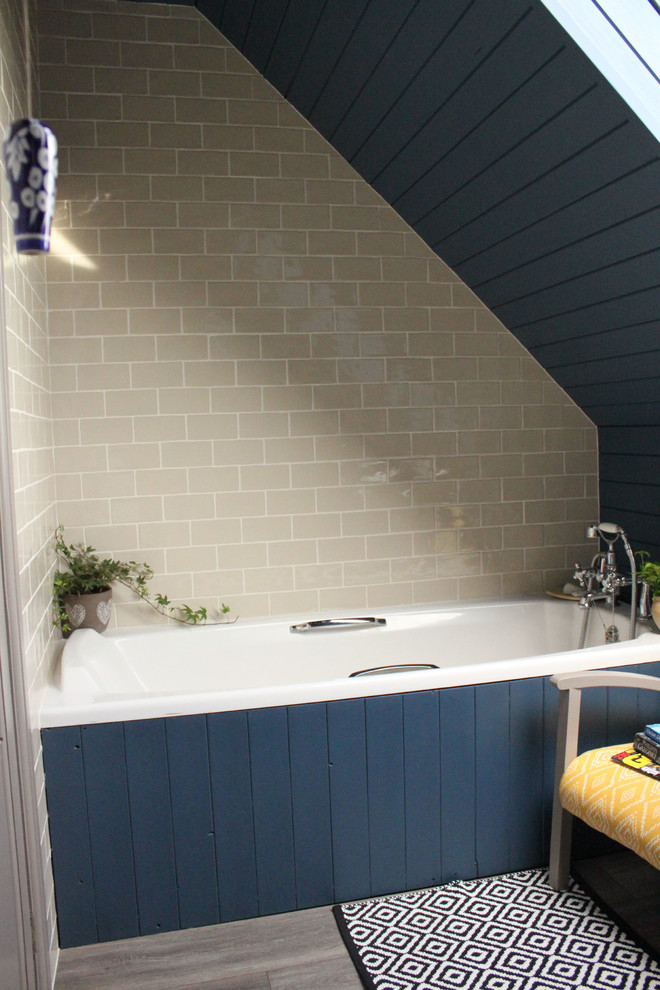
(285, 945)
(249, 981)
(330, 974)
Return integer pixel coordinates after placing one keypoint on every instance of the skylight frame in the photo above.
(622, 39)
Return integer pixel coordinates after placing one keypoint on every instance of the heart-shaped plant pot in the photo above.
(88, 611)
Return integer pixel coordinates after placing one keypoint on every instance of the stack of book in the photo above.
(645, 753)
(648, 742)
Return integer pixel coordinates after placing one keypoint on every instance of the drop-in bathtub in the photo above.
(183, 670)
(201, 775)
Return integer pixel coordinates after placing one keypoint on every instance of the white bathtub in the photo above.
(184, 670)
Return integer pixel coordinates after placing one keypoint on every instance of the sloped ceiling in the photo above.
(499, 142)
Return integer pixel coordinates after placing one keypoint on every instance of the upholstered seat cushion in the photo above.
(615, 800)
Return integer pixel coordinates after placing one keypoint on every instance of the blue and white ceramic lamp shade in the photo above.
(30, 151)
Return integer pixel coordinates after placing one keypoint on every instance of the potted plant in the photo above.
(82, 593)
(649, 572)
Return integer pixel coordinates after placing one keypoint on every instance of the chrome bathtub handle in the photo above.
(397, 668)
(319, 624)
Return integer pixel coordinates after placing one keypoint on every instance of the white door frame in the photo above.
(17, 770)
(15, 943)
(12, 956)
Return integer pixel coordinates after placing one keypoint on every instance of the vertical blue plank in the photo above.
(648, 702)
(386, 793)
(151, 818)
(69, 836)
(622, 714)
(232, 810)
(310, 791)
(593, 719)
(550, 713)
(273, 818)
(458, 776)
(526, 788)
(492, 776)
(421, 733)
(348, 796)
(192, 820)
(110, 830)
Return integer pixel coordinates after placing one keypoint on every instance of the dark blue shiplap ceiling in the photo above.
(494, 136)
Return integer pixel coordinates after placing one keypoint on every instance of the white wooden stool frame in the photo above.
(570, 696)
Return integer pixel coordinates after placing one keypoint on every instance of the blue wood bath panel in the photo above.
(310, 794)
(386, 793)
(231, 789)
(271, 809)
(69, 835)
(493, 744)
(457, 780)
(349, 807)
(421, 755)
(549, 735)
(648, 709)
(110, 831)
(192, 820)
(526, 763)
(147, 774)
(186, 821)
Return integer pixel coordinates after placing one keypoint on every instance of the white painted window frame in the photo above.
(631, 66)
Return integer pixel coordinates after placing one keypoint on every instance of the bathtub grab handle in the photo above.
(396, 668)
(317, 624)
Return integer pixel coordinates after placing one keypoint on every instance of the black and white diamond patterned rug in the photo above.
(510, 932)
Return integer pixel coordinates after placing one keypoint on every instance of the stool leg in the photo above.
(562, 821)
(560, 846)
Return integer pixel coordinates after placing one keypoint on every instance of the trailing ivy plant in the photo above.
(88, 574)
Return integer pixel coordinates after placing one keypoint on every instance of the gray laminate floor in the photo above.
(303, 950)
(298, 951)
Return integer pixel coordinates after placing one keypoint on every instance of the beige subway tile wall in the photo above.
(24, 310)
(25, 371)
(264, 383)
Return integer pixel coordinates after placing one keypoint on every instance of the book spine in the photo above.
(653, 731)
(647, 747)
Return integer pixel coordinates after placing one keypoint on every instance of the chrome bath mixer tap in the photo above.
(603, 582)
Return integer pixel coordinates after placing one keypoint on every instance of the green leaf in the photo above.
(86, 574)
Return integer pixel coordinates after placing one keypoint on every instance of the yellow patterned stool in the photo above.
(613, 799)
